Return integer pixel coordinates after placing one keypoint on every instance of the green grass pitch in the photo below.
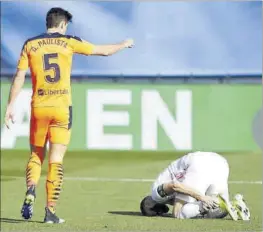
(114, 206)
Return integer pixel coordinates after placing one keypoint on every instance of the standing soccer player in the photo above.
(49, 57)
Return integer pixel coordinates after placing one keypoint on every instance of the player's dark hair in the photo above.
(150, 208)
(56, 15)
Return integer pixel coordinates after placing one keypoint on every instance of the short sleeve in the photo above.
(80, 46)
(23, 63)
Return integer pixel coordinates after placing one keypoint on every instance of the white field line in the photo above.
(102, 179)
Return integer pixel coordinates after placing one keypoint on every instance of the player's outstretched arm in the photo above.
(107, 50)
(16, 86)
(86, 48)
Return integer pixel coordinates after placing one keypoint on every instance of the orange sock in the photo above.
(54, 184)
(33, 170)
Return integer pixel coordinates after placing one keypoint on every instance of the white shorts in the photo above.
(208, 175)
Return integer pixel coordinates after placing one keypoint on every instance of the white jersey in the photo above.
(197, 170)
(207, 163)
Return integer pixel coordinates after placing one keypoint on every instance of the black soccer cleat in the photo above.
(27, 208)
(52, 218)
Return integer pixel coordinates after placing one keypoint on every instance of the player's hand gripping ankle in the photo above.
(209, 202)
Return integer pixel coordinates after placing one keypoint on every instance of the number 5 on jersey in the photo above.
(50, 63)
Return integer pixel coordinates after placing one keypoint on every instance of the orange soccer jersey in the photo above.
(49, 57)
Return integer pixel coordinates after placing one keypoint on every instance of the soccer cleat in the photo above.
(241, 207)
(216, 213)
(52, 218)
(27, 208)
(226, 205)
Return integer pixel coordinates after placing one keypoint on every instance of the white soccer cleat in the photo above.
(225, 204)
(241, 207)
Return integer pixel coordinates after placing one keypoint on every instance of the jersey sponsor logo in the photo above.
(44, 92)
(180, 175)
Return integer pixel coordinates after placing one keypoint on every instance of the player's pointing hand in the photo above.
(128, 43)
(9, 116)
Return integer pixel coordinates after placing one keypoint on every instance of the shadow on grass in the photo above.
(129, 213)
(12, 220)
(168, 215)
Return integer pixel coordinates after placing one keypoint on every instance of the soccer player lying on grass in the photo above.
(49, 57)
(197, 187)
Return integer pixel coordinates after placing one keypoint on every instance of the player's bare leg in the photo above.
(54, 181)
(33, 172)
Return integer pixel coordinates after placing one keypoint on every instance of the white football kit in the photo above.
(204, 172)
